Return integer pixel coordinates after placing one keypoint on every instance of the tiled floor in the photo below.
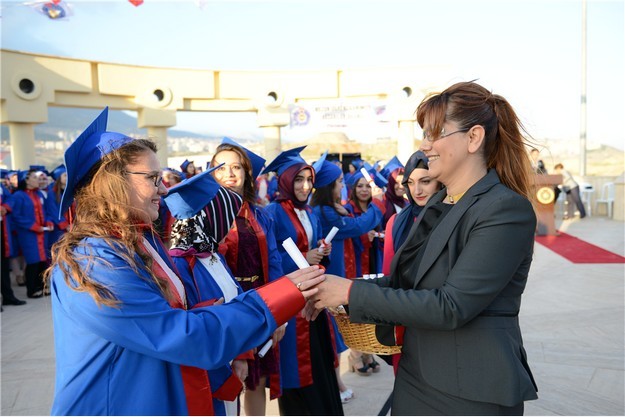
(572, 320)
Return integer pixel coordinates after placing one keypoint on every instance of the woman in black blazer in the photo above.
(456, 282)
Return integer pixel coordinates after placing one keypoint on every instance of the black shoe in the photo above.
(13, 302)
(37, 294)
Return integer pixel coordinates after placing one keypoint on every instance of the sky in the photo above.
(527, 51)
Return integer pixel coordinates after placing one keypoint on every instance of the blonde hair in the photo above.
(103, 210)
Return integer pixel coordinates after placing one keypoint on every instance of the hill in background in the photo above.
(69, 122)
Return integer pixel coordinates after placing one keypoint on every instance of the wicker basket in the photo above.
(361, 336)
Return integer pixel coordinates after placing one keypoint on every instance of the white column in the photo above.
(270, 119)
(22, 137)
(157, 121)
(159, 135)
(405, 140)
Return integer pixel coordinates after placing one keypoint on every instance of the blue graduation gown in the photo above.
(126, 360)
(8, 244)
(24, 221)
(290, 353)
(349, 227)
(359, 247)
(200, 286)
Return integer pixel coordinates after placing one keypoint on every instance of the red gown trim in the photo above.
(195, 381)
(39, 221)
(302, 326)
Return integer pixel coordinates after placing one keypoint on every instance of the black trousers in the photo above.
(34, 277)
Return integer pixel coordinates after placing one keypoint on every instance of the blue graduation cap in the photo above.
(41, 168)
(22, 174)
(285, 160)
(357, 163)
(186, 199)
(378, 179)
(257, 161)
(85, 152)
(391, 166)
(184, 165)
(56, 172)
(325, 172)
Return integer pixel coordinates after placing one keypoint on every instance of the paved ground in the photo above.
(572, 320)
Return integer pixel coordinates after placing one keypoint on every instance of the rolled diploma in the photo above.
(329, 237)
(293, 251)
(366, 175)
(267, 345)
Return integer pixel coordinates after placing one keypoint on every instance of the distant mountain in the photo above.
(72, 121)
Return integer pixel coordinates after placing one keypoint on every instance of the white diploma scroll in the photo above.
(328, 238)
(367, 176)
(293, 251)
(263, 351)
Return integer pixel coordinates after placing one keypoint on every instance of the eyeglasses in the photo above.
(443, 135)
(155, 178)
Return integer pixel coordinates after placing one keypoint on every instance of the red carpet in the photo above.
(579, 251)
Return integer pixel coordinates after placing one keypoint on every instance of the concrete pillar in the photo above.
(22, 144)
(159, 135)
(405, 101)
(273, 142)
(270, 120)
(157, 121)
(405, 140)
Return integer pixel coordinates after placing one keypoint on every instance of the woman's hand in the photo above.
(313, 256)
(278, 334)
(327, 247)
(305, 279)
(332, 292)
(340, 209)
(239, 367)
(371, 235)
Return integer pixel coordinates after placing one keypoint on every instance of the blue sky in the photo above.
(527, 51)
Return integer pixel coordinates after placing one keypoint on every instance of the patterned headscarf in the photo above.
(200, 235)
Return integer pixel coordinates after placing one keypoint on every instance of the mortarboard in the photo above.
(325, 171)
(391, 166)
(85, 152)
(41, 168)
(357, 163)
(285, 160)
(184, 165)
(186, 199)
(378, 179)
(257, 161)
(56, 173)
(22, 174)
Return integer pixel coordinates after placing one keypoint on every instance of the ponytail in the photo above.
(506, 154)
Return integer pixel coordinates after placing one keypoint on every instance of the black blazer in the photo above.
(462, 331)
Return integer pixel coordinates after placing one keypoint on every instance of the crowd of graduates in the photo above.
(286, 198)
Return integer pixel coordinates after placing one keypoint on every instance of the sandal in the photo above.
(363, 370)
(347, 395)
(375, 367)
(36, 294)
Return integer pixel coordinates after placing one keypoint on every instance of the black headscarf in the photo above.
(406, 217)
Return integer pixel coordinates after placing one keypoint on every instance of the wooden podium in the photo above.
(545, 203)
